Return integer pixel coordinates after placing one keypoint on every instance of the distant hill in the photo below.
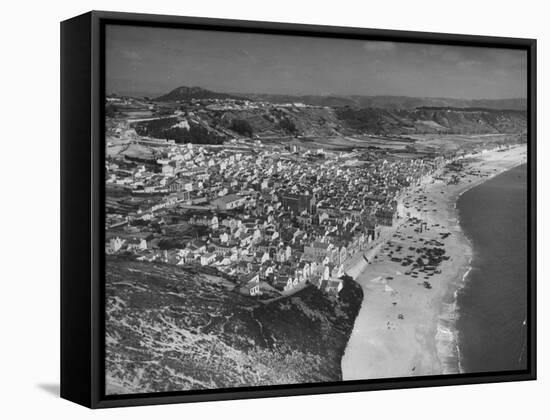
(336, 116)
(272, 121)
(393, 102)
(185, 93)
(430, 120)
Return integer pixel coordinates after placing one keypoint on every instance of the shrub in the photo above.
(242, 127)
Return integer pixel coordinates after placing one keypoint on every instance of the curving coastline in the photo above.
(490, 336)
(403, 328)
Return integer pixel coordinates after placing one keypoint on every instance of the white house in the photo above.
(254, 289)
(265, 257)
(137, 244)
(208, 258)
(115, 244)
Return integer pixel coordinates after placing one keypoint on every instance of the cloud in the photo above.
(379, 47)
(451, 56)
(468, 65)
(438, 52)
(131, 55)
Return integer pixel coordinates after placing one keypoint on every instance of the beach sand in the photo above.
(405, 326)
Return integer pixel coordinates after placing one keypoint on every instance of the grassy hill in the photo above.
(213, 126)
(433, 120)
(185, 93)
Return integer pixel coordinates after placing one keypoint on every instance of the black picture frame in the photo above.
(82, 207)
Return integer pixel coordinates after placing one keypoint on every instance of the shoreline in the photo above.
(404, 329)
(489, 285)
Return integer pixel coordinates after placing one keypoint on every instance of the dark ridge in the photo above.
(185, 93)
(469, 109)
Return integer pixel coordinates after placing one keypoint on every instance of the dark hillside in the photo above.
(185, 93)
(169, 329)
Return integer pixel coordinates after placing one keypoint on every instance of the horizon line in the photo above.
(124, 92)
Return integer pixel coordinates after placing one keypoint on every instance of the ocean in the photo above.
(492, 305)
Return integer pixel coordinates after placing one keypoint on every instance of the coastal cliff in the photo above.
(168, 329)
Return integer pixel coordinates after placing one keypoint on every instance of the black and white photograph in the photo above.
(275, 211)
(286, 209)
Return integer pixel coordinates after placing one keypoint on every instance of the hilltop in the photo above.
(185, 93)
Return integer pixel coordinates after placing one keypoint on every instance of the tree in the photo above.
(242, 127)
(165, 129)
(288, 126)
(110, 110)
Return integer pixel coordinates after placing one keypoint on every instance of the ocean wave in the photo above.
(447, 341)
(447, 335)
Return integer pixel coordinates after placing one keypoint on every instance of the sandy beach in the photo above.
(406, 323)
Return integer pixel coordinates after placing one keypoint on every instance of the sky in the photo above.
(151, 61)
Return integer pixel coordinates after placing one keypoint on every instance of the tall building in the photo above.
(298, 203)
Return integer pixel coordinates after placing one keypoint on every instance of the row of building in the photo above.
(268, 216)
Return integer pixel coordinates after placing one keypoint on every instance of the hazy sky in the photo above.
(143, 60)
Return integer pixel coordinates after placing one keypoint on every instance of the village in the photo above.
(272, 217)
